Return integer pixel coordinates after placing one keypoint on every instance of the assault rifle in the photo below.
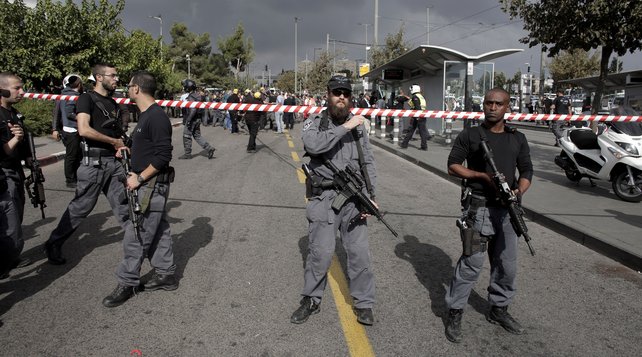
(506, 195)
(135, 209)
(349, 183)
(33, 183)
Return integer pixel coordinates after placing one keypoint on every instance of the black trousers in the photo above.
(73, 155)
(417, 125)
(253, 127)
(234, 120)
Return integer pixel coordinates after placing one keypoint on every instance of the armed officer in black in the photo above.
(100, 127)
(16, 149)
(151, 152)
(487, 217)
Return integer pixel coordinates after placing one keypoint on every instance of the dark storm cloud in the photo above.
(483, 26)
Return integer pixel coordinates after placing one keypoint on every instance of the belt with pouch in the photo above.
(165, 175)
(98, 153)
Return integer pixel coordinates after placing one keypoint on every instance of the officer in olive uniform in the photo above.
(334, 135)
(100, 127)
(192, 123)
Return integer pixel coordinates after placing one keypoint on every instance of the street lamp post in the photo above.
(189, 70)
(315, 53)
(367, 47)
(160, 40)
(296, 22)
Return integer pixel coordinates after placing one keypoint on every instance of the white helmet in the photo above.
(415, 89)
(70, 78)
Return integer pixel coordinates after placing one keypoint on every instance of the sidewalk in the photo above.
(598, 221)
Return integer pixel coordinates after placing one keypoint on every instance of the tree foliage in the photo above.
(394, 46)
(500, 80)
(575, 63)
(237, 49)
(45, 43)
(319, 74)
(562, 25)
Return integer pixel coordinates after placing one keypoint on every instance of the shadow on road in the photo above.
(190, 241)
(433, 269)
(27, 282)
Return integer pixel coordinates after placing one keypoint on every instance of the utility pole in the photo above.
(160, 40)
(428, 25)
(296, 22)
(376, 25)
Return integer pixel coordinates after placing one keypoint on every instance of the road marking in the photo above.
(290, 143)
(354, 333)
(301, 175)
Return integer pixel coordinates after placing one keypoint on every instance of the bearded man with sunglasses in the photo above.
(338, 136)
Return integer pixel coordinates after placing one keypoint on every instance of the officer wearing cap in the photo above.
(334, 135)
(192, 123)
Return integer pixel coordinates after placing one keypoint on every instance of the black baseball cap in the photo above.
(340, 82)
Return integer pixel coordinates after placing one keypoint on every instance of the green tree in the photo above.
(559, 25)
(319, 74)
(394, 46)
(45, 43)
(615, 66)
(500, 80)
(286, 81)
(574, 63)
(237, 50)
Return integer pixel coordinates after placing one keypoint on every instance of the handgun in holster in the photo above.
(315, 184)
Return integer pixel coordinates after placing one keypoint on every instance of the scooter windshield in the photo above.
(628, 128)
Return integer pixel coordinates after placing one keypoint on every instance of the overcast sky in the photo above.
(472, 27)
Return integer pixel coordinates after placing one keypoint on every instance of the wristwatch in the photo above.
(140, 179)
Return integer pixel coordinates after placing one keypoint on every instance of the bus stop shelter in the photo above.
(449, 79)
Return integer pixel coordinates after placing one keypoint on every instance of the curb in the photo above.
(586, 239)
(60, 156)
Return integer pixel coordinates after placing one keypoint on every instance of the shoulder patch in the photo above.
(307, 124)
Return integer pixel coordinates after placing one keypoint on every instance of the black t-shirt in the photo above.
(561, 105)
(105, 123)
(152, 140)
(510, 151)
(22, 150)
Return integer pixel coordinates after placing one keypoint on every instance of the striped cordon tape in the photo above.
(436, 114)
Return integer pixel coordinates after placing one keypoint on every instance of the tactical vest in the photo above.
(422, 102)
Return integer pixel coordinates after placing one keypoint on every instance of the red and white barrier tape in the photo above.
(437, 114)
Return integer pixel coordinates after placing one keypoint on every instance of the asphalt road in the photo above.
(239, 233)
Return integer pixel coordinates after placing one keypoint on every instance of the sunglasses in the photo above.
(338, 92)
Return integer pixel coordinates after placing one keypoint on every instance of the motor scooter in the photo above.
(614, 154)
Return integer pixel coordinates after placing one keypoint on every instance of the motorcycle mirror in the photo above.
(600, 129)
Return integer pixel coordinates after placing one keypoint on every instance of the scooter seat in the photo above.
(584, 139)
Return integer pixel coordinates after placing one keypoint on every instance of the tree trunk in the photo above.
(596, 105)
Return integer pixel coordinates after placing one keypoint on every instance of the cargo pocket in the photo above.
(159, 197)
(482, 223)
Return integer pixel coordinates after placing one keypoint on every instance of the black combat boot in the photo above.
(364, 316)
(308, 307)
(165, 282)
(453, 325)
(54, 255)
(185, 157)
(500, 316)
(210, 153)
(121, 294)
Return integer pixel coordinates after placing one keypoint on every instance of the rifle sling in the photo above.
(362, 163)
